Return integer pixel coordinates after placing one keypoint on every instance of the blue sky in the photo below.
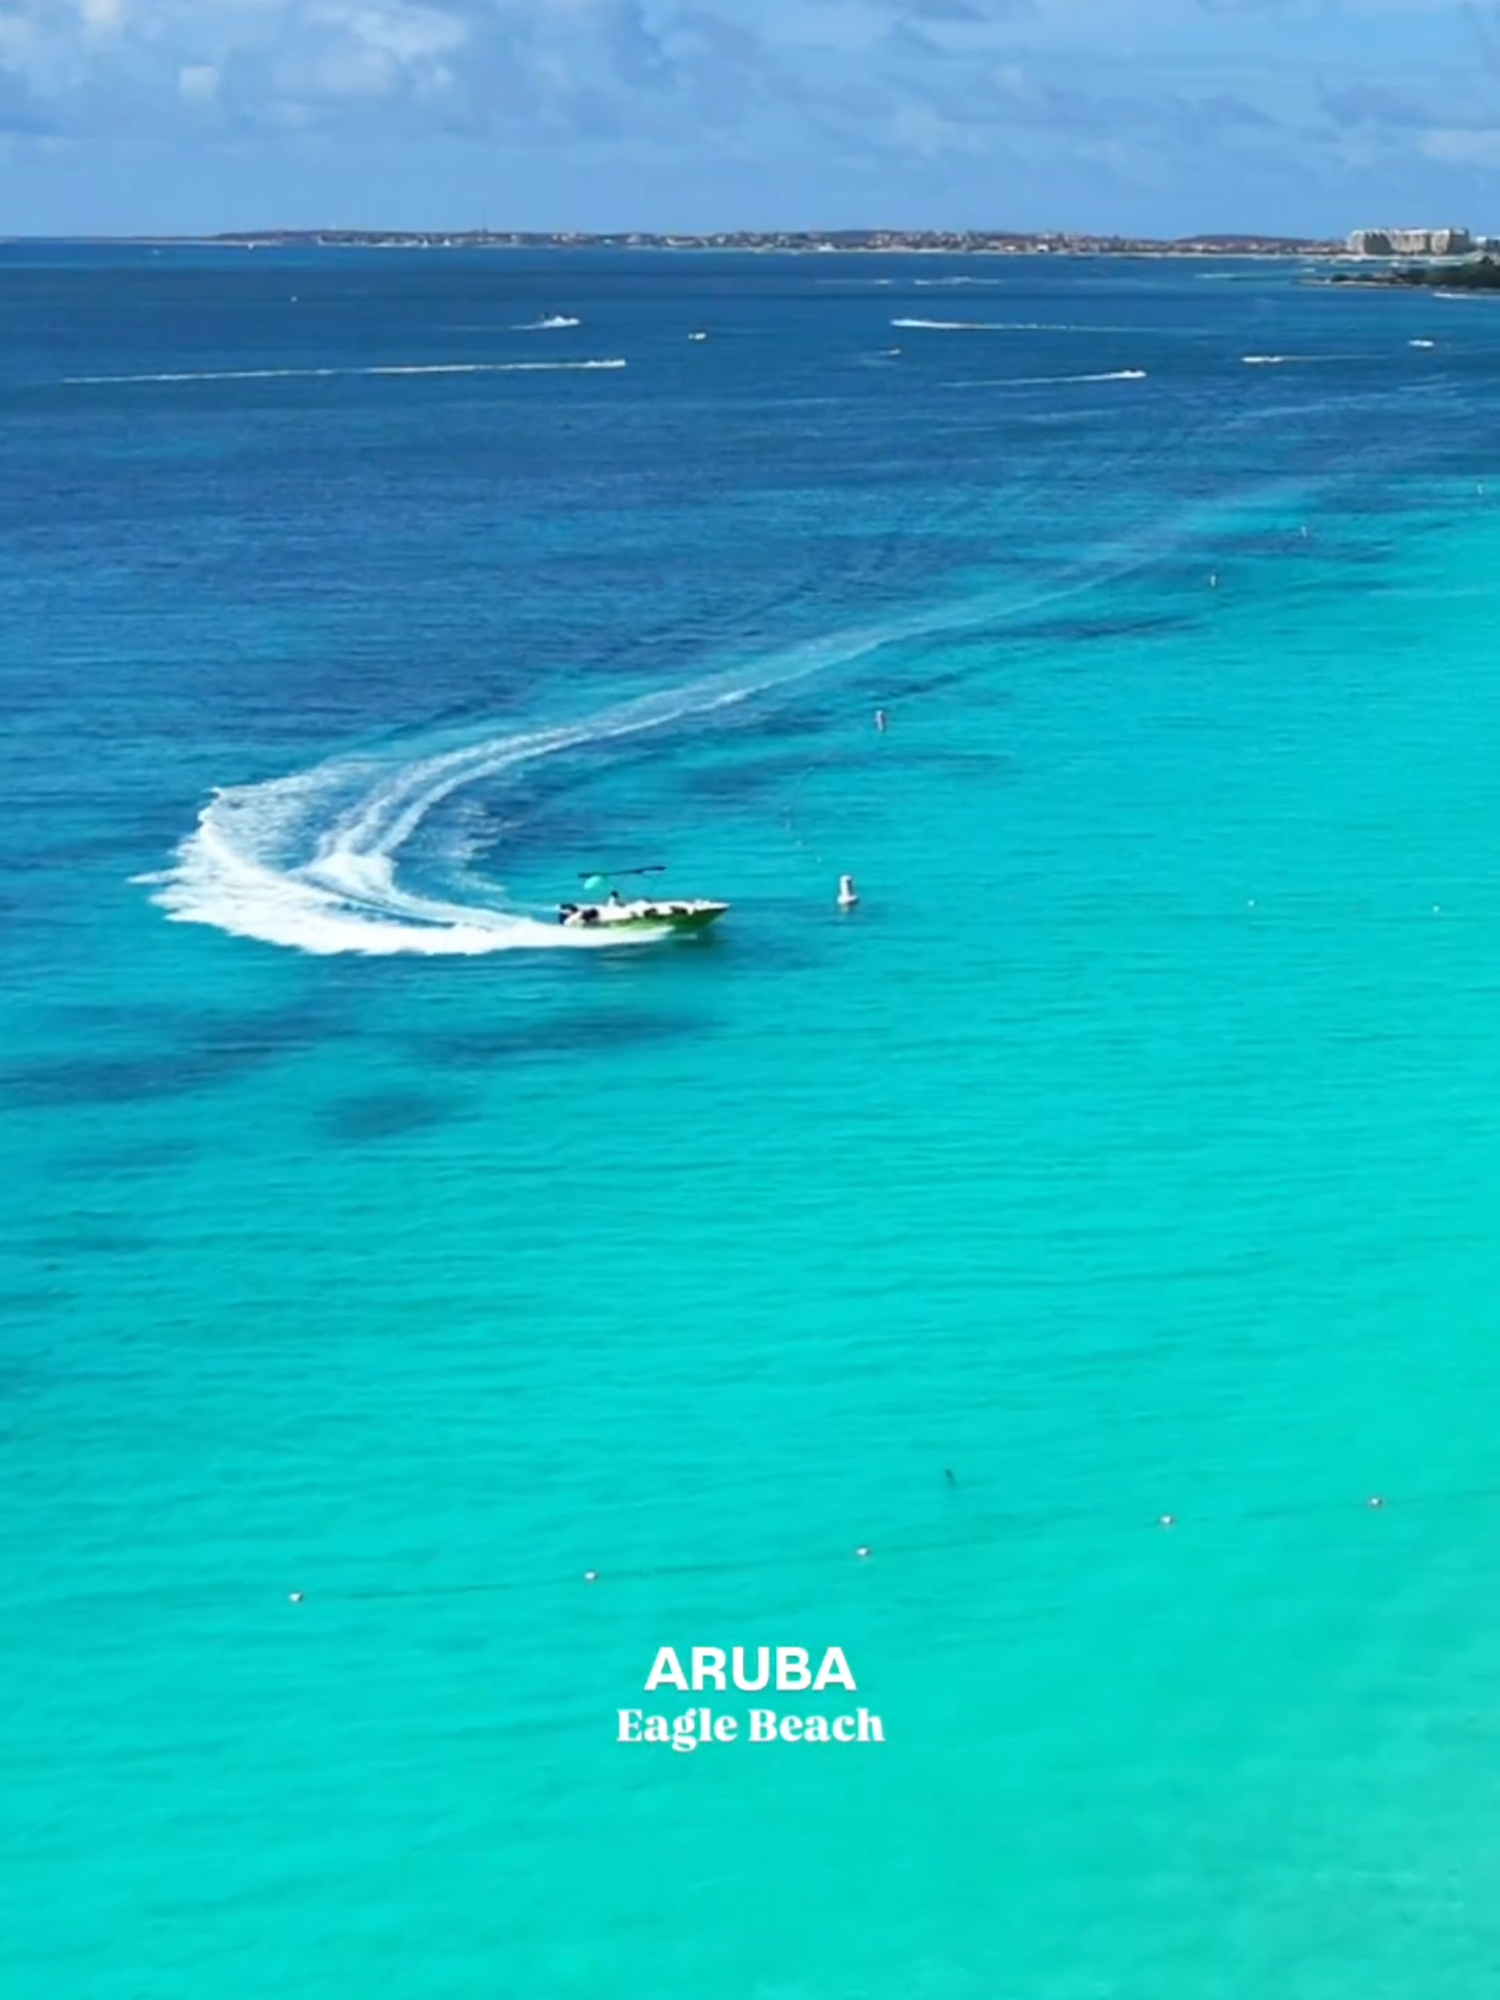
(1157, 116)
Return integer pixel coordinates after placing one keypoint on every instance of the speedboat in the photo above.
(643, 914)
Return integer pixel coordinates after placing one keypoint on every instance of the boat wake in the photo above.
(553, 323)
(326, 374)
(311, 861)
(1053, 381)
(958, 325)
(1013, 326)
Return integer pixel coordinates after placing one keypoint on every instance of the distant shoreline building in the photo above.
(1411, 243)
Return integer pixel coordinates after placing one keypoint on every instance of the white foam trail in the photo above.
(1050, 381)
(551, 324)
(1301, 360)
(309, 861)
(1017, 326)
(327, 374)
(1421, 343)
(955, 325)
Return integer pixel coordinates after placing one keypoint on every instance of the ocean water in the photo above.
(1131, 1155)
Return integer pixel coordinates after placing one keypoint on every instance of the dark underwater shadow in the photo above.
(147, 1156)
(587, 1033)
(66, 1083)
(201, 1051)
(19, 1303)
(90, 1239)
(381, 1115)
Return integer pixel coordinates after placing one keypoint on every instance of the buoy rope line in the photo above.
(978, 1534)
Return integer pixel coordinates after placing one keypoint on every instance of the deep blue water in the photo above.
(1131, 1152)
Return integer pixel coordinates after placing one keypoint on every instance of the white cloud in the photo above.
(344, 50)
(1467, 149)
(919, 129)
(102, 17)
(928, 85)
(198, 83)
(408, 34)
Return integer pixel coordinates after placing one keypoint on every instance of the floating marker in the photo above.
(1376, 1501)
(863, 1552)
(848, 894)
(1168, 1521)
(880, 720)
(294, 1597)
(591, 1576)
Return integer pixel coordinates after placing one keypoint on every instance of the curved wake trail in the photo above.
(310, 861)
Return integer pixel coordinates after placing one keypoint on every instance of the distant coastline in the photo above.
(799, 242)
(1474, 274)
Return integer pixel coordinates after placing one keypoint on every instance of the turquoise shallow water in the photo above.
(1130, 1152)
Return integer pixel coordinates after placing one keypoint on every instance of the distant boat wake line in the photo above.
(1010, 326)
(1297, 360)
(325, 374)
(310, 861)
(1053, 381)
(553, 323)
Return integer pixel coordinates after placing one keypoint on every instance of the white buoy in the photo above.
(294, 1597)
(880, 720)
(848, 894)
(863, 1552)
